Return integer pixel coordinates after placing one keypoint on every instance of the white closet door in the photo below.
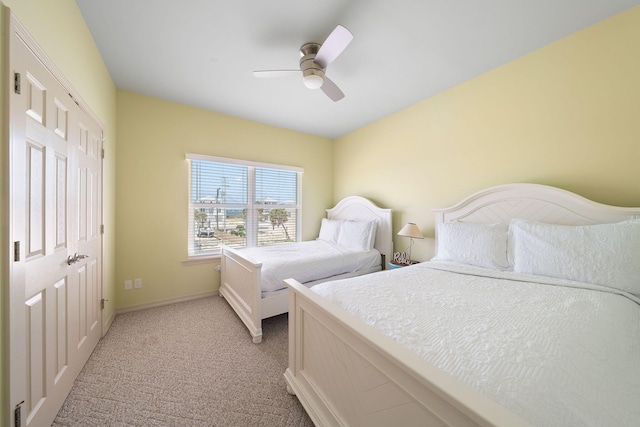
(55, 194)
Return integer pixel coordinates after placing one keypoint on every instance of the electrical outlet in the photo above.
(137, 283)
(128, 285)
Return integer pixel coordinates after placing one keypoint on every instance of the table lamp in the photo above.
(412, 232)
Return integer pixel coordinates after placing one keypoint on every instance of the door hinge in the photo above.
(102, 153)
(16, 251)
(17, 415)
(102, 301)
(16, 83)
(102, 229)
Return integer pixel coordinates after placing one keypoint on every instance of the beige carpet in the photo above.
(186, 364)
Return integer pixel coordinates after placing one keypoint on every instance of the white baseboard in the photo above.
(108, 324)
(165, 302)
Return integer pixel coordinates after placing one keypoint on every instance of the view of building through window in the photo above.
(239, 204)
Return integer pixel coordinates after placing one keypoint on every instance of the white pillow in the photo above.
(357, 235)
(603, 254)
(482, 245)
(330, 230)
(372, 235)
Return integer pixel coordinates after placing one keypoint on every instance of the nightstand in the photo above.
(392, 265)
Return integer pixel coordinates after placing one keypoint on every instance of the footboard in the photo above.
(240, 285)
(345, 373)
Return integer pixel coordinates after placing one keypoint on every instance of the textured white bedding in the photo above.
(556, 352)
(307, 261)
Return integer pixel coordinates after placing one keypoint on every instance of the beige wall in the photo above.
(59, 29)
(566, 115)
(152, 188)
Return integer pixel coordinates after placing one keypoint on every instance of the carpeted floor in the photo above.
(186, 364)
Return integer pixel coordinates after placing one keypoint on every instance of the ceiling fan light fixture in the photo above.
(313, 81)
(314, 59)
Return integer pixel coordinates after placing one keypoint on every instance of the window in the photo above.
(239, 204)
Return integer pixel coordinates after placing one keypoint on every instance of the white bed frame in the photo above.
(345, 373)
(241, 283)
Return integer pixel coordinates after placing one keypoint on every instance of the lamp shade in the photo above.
(411, 230)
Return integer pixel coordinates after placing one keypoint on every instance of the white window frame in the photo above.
(251, 220)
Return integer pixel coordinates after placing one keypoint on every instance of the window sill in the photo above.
(197, 260)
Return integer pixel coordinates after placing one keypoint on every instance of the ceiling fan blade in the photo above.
(277, 73)
(333, 46)
(331, 89)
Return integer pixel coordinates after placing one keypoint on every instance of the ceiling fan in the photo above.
(314, 61)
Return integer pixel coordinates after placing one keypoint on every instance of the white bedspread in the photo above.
(307, 261)
(555, 352)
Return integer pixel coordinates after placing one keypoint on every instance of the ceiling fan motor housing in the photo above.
(312, 73)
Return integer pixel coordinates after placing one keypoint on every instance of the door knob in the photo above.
(75, 258)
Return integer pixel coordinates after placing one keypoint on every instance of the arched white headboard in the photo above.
(534, 202)
(357, 208)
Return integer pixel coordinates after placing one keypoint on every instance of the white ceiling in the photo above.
(203, 52)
